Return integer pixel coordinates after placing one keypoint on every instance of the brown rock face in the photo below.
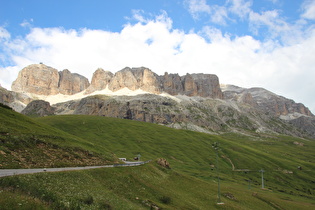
(266, 101)
(100, 80)
(70, 84)
(38, 108)
(37, 78)
(190, 86)
(204, 85)
(148, 80)
(6, 97)
(247, 98)
(172, 84)
(14, 99)
(135, 78)
(44, 80)
(122, 79)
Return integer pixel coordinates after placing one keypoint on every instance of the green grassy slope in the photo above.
(122, 188)
(192, 152)
(26, 143)
(191, 183)
(136, 188)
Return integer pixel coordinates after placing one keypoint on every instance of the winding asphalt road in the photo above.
(12, 172)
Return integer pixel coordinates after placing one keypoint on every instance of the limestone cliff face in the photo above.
(265, 101)
(148, 80)
(190, 87)
(135, 78)
(70, 83)
(204, 85)
(124, 79)
(37, 78)
(172, 84)
(100, 80)
(277, 105)
(44, 80)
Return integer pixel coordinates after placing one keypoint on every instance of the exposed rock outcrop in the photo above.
(6, 97)
(164, 163)
(198, 114)
(264, 100)
(148, 80)
(306, 124)
(38, 108)
(37, 78)
(124, 79)
(71, 83)
(100, 80)
(44, 80)
(172, 84)
(135, 78)
(17, 101)
(204, 85)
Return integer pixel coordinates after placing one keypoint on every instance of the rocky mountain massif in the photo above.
(193, 101)
(43, 80)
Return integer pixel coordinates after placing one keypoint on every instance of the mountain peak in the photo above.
(44, 80)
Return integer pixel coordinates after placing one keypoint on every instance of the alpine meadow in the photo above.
(191, 182)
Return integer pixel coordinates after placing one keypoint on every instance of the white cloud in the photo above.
(217, 14)
(287, 70)
(196, 7)
(240, 7)
(274, 1)
(138, 16)
(8, 75)
(276, 26)
(4, 34)
(308, 8)
(27, 23)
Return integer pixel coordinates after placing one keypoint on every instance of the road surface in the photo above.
(11, 172)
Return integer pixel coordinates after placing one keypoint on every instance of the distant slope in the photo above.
(192, 153)
(27, 143)
(250, 110)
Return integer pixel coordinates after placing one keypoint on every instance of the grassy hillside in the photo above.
(192, 152)
(191, 183)
(26, 143)
(136, 188)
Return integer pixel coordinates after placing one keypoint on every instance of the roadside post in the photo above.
(262, 178)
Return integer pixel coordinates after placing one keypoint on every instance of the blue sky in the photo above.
(113, 15)
(249, 43)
